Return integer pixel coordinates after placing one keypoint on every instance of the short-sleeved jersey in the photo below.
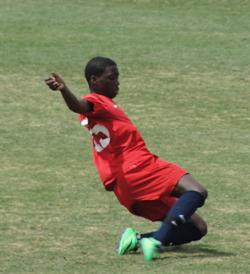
(115, 140)
(124, 163)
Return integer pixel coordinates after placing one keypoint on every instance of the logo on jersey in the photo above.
(101, 137)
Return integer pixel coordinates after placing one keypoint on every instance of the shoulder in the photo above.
(101, 104)
(96, 97)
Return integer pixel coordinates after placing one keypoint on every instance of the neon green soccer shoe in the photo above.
(150, 248)
(128, 242)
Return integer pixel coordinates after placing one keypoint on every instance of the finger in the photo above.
(53, 87)
(50, 81)
(50, 84)
(50, 78)
(55, 75)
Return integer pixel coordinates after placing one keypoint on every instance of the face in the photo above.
(106, 84)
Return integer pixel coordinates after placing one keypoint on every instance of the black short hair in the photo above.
(96, 66)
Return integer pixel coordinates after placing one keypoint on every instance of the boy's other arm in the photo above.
(55, 82)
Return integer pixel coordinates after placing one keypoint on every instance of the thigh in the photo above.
(188, 183)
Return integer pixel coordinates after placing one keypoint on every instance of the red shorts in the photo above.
(146, 189)
(153, 210)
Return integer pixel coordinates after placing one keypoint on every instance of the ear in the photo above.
(92, 79)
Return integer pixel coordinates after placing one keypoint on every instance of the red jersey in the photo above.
(124, 163)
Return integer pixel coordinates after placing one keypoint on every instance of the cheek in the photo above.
(108, 85)
(102, 85)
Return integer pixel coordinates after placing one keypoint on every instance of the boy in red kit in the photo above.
(146, 185)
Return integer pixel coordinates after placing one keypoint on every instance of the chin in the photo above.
(114, 94)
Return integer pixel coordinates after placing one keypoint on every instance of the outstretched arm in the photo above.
(55, 82)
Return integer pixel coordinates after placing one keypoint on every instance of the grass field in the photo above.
(185, 80)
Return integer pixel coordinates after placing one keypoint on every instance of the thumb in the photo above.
(55, 75)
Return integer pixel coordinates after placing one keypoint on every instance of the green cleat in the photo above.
(128, 242)
(150, 248)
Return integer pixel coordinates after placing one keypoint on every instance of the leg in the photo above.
(188, 183)
(181, 224)
(153, 210)
(193, 230)
(191, 196)
(200, 224)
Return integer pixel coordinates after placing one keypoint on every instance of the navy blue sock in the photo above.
(181, 211)
(147, 235)
(183, 234)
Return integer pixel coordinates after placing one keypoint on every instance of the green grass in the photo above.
(184, 82)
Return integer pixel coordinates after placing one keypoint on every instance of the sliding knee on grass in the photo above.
(178, 215)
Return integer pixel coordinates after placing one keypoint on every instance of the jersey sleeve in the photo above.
(99, 108)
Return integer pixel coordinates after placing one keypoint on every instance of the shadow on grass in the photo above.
(197, 251)
(194, 251)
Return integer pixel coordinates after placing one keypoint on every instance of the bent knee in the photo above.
(202, 226)
(204, 193)
(202, 190)
(188, 183)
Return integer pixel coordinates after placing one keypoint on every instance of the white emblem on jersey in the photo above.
(84, 121)
(101, 137)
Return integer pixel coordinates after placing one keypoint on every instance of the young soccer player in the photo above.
(145, 184)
